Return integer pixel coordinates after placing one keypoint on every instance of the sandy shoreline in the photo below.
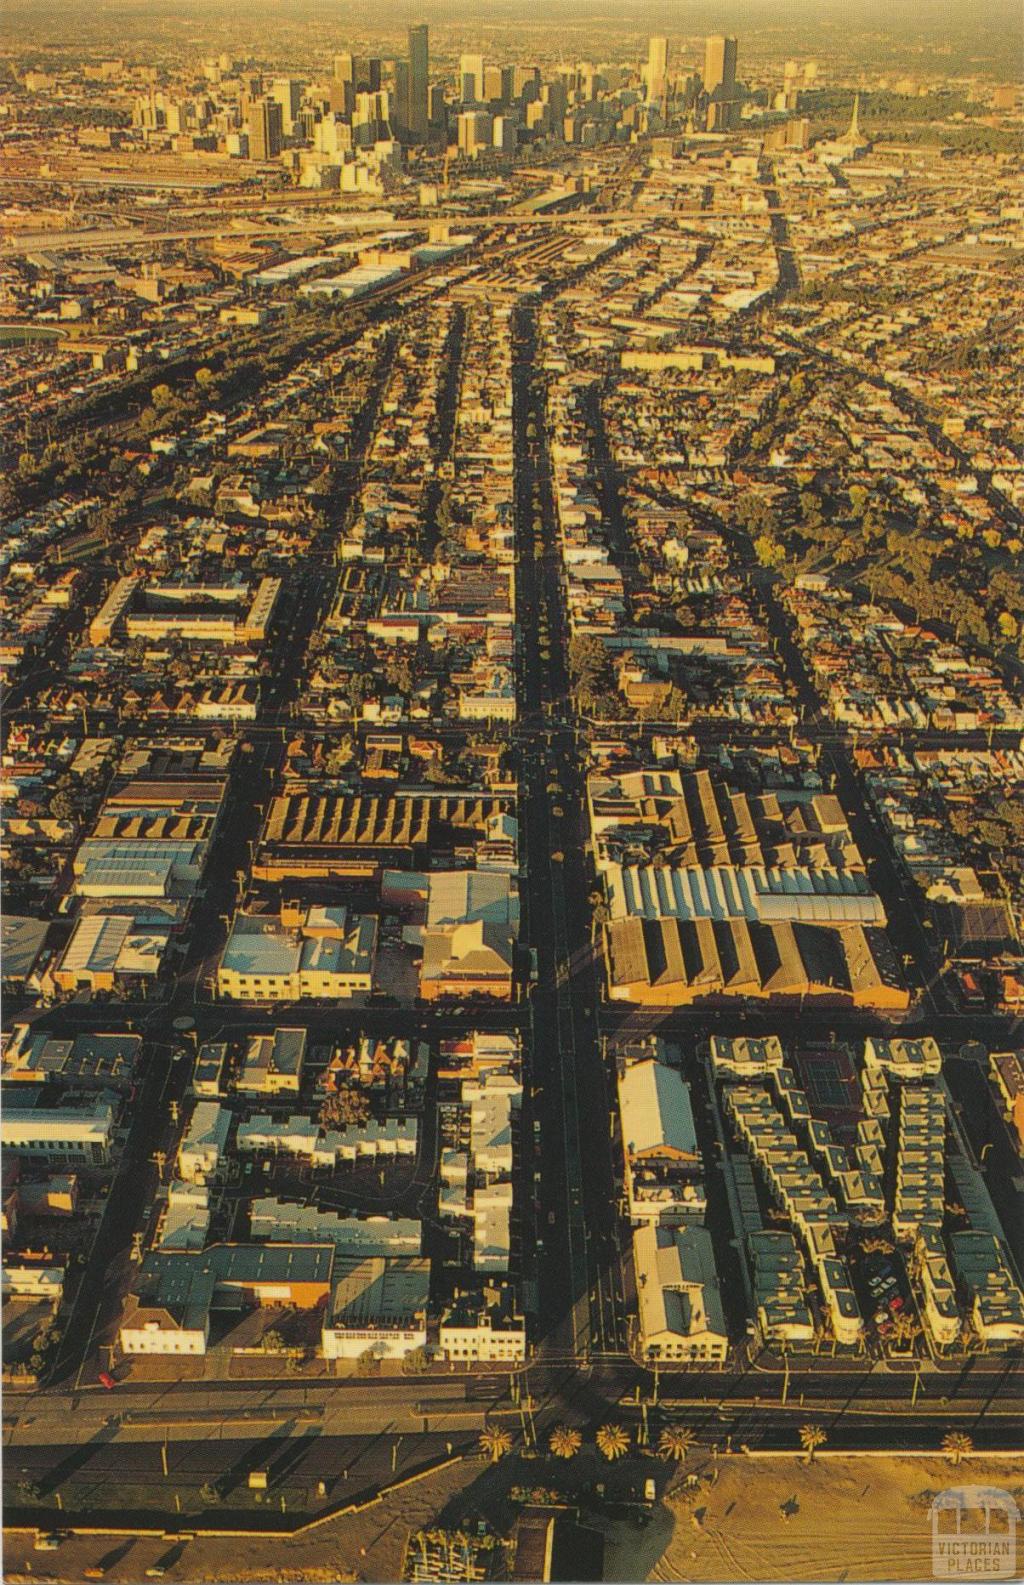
(846, 1519)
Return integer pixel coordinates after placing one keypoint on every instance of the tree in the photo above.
(209, 1493)
(62, 806)
(398, 671)
(811, 1438)
(341, 754)
(769, 552)
(612, 1441)
(344, 1108)
(675, 1442)
(590, 667)
(905, 1330)
(565, 1441)
(495, 1442)
(957, 1444)
(272, 1342)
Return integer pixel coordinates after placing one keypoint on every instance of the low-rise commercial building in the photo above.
(326, 954)
(1007, 1070)
(378, 1306)
(483, 1327)
(64, 1135)
(204, 1142)
(663, 1172)
(168, 1309)
(371, 1237)
(678, 1298)
(273, 1063)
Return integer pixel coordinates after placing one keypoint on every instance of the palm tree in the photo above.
(957, 1444)
(565, 1441)
(812, 1437)
(675, 1442)
(906, 1330)
(495, 1442)
(612, 1441)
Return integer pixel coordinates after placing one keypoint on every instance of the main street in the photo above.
(761, 1403)
(581, 1292)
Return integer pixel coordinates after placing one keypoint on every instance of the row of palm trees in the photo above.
(613, 1441)
(674, 1443)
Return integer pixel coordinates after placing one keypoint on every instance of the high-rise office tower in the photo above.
(400, 109)
(417, 115)
(287, 92)
(471, 79)
(526, 82)
(492, 84)
(657, 69)
(265, 130)
(720, 65)
(475, 131)
(362, 71)
(556, 98)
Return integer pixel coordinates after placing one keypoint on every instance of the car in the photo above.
(106, 1380)
(46, 1542)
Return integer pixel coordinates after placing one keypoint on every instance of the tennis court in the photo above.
(828, 1075)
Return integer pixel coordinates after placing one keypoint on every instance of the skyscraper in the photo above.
(475, 131)
(720, 65)
(362, 71)
(657, 69)
(287, 92)
(265, 129)
(400, 107)
(419, 71)
(471, 79)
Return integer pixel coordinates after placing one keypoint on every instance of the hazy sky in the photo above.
(968, 32)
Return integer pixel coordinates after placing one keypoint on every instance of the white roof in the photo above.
(654, 1103)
